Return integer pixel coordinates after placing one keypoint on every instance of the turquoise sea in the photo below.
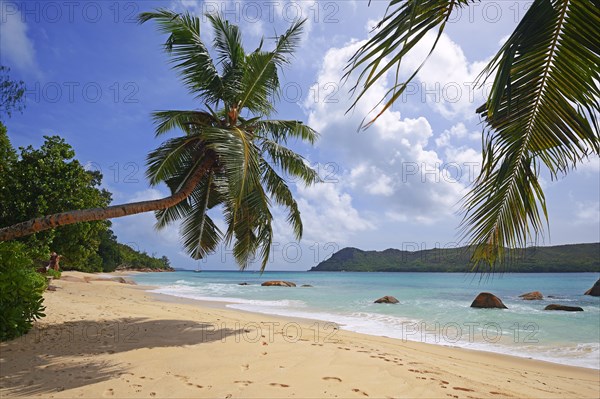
(434, 307)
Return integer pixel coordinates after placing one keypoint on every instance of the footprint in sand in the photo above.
(244, 383)
(181, 377)
(332, 379)
(359, 391)
(275, 384)
(245, 367)
(463, 389)
(109, 392)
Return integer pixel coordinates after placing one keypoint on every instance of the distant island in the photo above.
(555, 259)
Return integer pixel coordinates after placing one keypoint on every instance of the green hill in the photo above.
(555, 259)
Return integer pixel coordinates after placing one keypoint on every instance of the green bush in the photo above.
(21, 288)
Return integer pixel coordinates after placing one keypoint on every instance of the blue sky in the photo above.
(94, 76)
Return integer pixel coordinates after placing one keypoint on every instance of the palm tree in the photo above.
(542, 109)
(230, 156)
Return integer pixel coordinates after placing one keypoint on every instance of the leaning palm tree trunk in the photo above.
(111, 212)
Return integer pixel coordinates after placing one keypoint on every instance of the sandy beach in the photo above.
(109, 339)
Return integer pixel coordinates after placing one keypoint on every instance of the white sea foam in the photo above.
(369, 319)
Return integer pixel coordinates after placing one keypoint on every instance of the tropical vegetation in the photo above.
(21, 288)
(542, 109)
(576, 258)
(36, 182)
(230, 157)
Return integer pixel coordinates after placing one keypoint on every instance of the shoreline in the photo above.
(104, 338)
(170, 298)
(414, 330)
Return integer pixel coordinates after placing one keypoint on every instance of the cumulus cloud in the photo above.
(17, 47)
(455, 133)
(446, 82)
(328, 213)
(390, 166)
(587, 212)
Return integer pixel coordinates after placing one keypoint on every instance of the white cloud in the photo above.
(590, 166)
(372, 179)
(588, 212)
(446, 82)
(458, 131)
(17, 48)
(389, 166)
(328, 214)
(503, 40)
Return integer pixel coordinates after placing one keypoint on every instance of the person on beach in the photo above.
(54, 261)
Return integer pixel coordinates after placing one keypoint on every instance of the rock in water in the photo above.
(563, 307)
(277, 283)
(532, 296)
(243, 284)
(487, 300)
(595, 290)
(306, 285)
(387, 299)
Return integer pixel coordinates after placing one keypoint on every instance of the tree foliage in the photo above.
(231, 156)
(49, 180)
(11, 93)
(542, 109)
(575, 258)
(240, 152)
(35, 182)
(21, 288)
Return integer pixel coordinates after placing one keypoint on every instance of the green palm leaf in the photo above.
(280, 192)
(188, 53)
(290, 162)
(281, 130)
(171, 157)
(187, 121)
(260, 81)
(543, 108)
(406, 23)
(199, 233)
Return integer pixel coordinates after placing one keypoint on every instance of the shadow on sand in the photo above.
(59, 357)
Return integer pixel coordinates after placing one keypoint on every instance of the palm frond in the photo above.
(290, 162)
(261, 82)
(287, 43)
(281, 130)
(543, 108)
(227, 41)
(171, 157)
(187, 121)
(230, 56)
(199, 233)
(165, 217)
(189, 54)
(404, 26)
(281, 193)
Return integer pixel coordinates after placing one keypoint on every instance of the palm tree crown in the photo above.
(232, 144)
